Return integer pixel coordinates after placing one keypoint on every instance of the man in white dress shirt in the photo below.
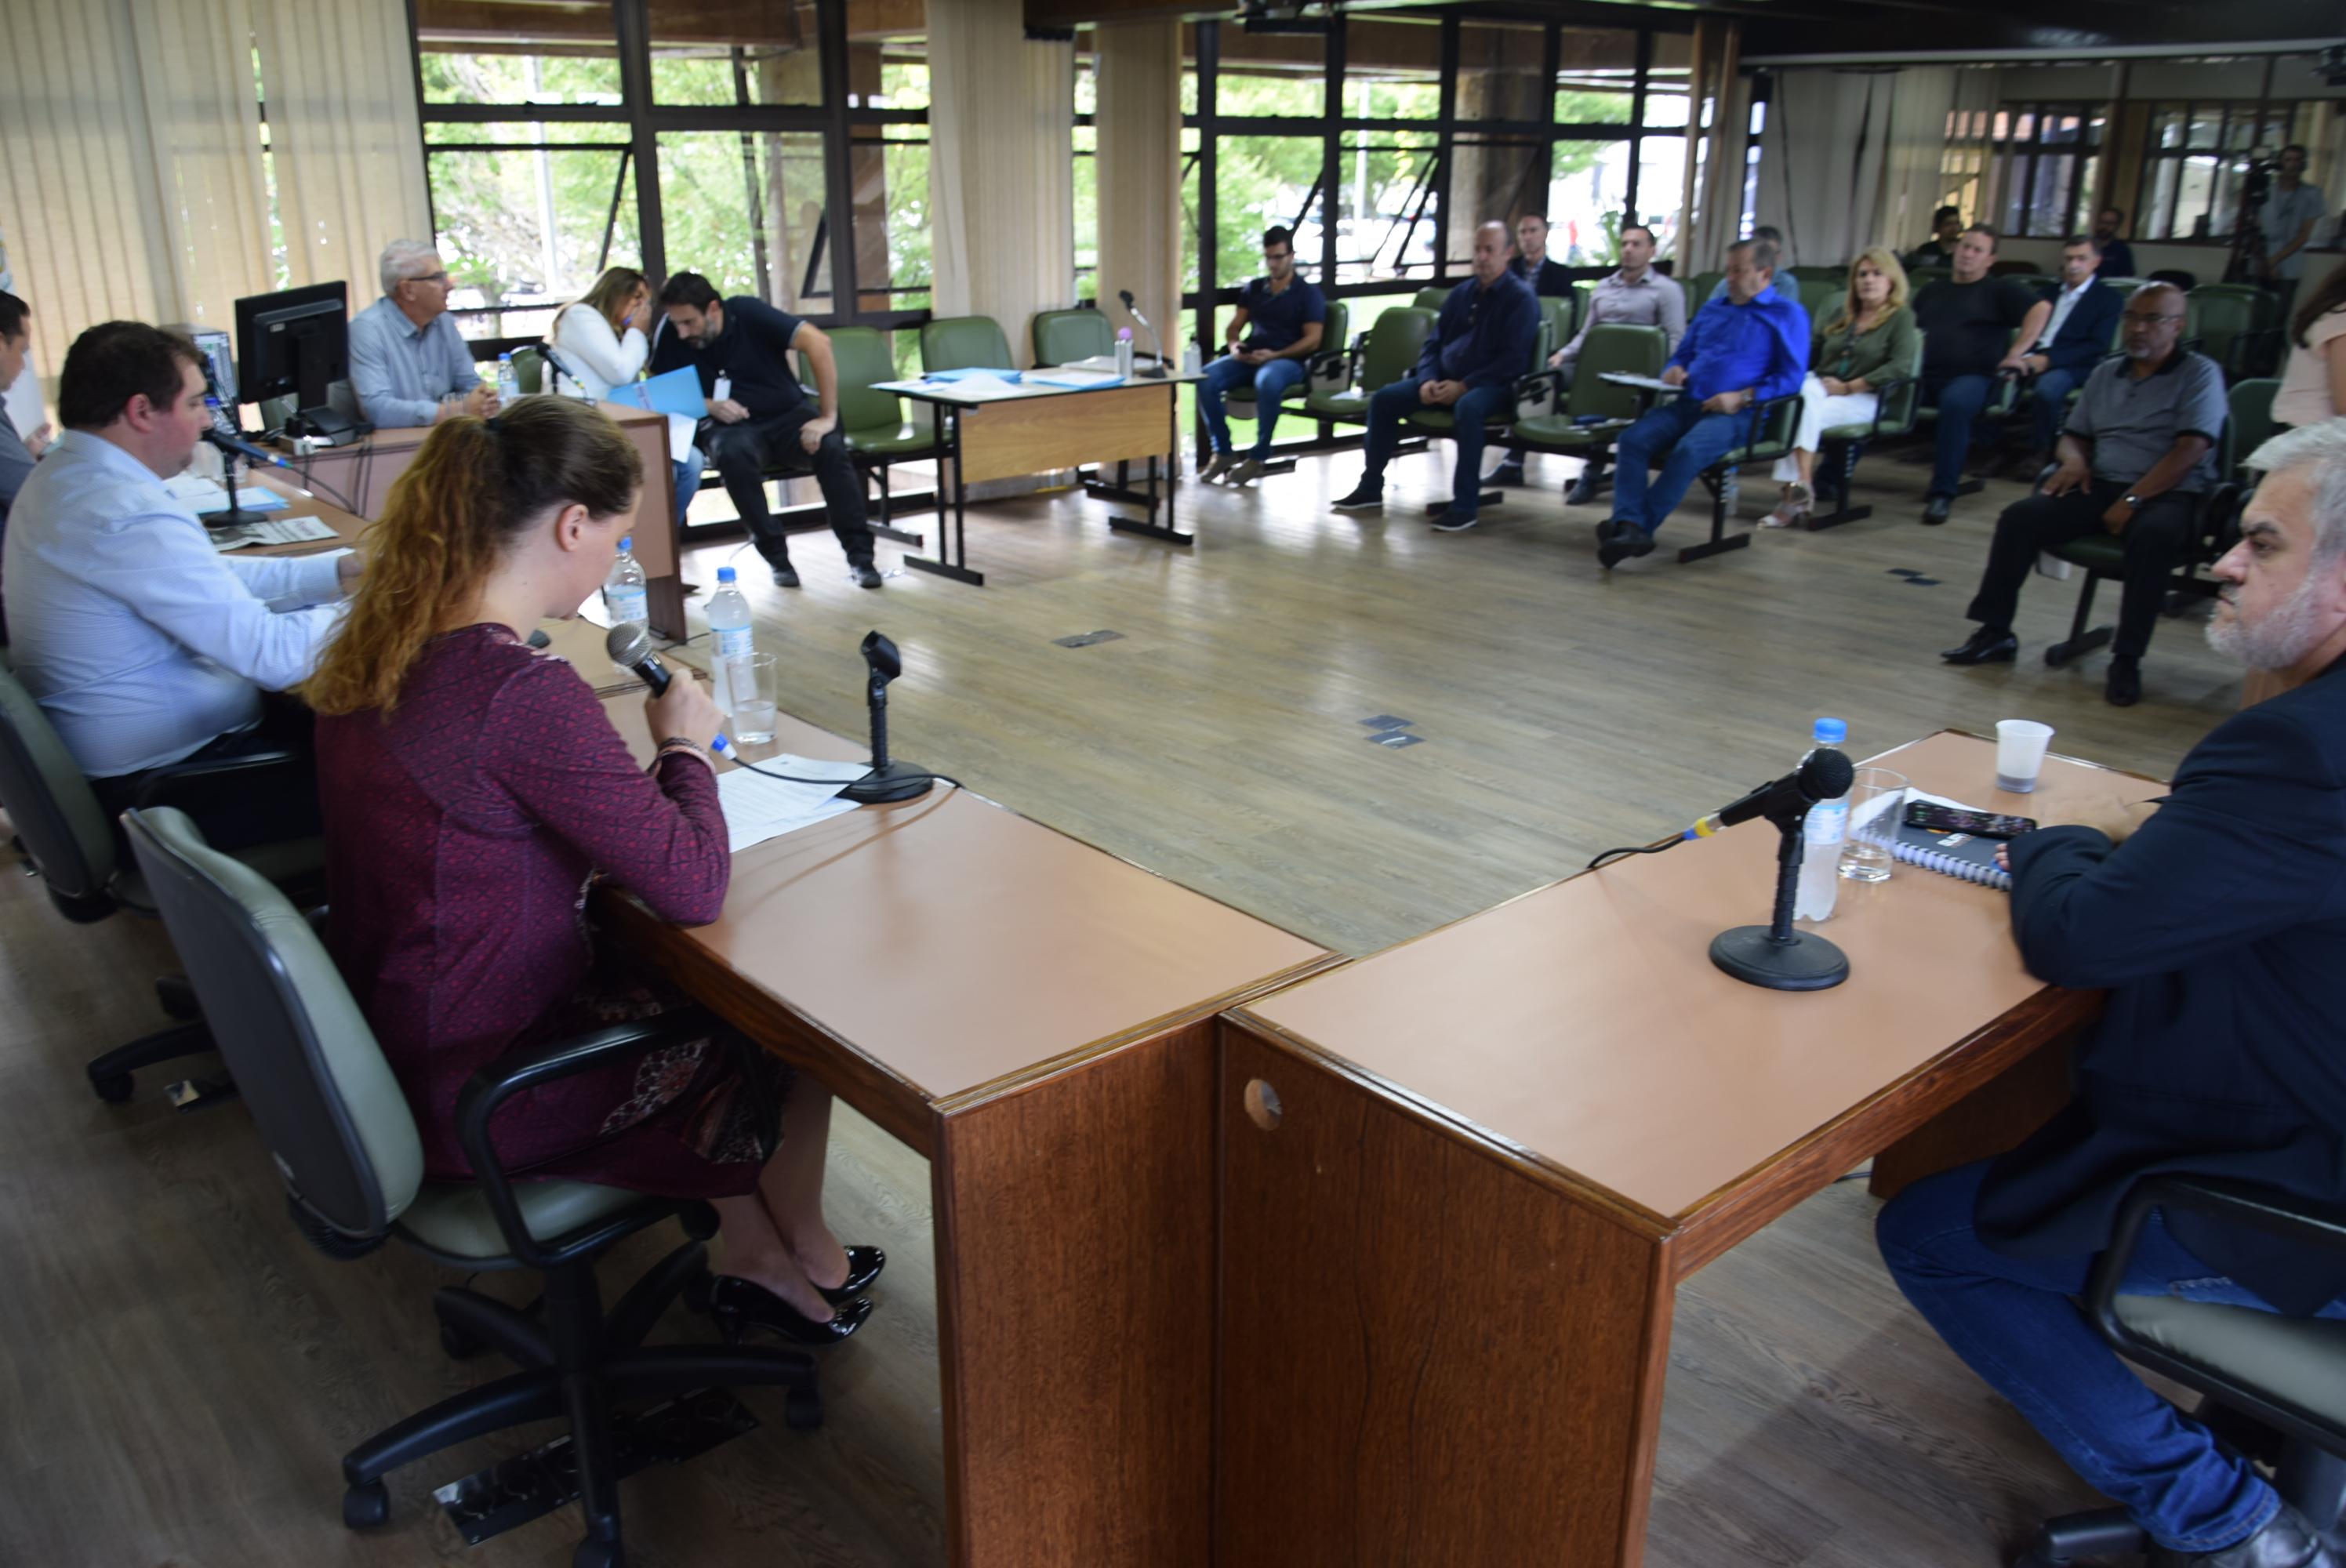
(143, 645)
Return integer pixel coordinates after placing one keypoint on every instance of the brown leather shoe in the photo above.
(2287, 1542)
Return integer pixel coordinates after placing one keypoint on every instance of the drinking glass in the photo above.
(1877, 804)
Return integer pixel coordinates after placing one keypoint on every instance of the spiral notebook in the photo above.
(1964, 855)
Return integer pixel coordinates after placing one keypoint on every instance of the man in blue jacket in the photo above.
(1479, 348)
(2217, 928)
(2075, 340)
(1745, 348)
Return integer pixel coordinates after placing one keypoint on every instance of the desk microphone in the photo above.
(1156, 370)
(1823, 774)
(559, 365)
(244, 449)
(630, 647)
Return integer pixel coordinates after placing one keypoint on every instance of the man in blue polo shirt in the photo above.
(1748, 347)
(1479, 347)
(1287, 316)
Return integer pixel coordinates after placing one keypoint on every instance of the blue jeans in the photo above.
(2012, 1322)
(2053, 388)
(687, 480)
(1270, 380)
(1959, 402)
(1396, 402)
(1694, 440)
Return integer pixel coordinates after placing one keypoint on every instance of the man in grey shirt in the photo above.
(2138, 452)
(2292, 209)
(1635, 295)
(409, 366)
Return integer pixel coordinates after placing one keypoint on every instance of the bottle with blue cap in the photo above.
(729, 635)
(625, 599)
(1827, 825)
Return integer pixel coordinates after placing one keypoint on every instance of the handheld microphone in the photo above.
(559, 365)
(244, 449)
(1823, 774)
(630, 647)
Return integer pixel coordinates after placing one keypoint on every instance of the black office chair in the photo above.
(63, 834)
(2273, 1386)
(339, 1129)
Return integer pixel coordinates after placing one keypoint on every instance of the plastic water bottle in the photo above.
(729, 633)
(1828, 824)
(1124, 353)
(508, 381)
(624, 595)
(1190, 360)
(1733, 489)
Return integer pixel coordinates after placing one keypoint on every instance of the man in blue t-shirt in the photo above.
(758, 414)
(1272, 336)
(1480, 346)
(1748, 348)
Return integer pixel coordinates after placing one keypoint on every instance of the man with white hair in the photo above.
(409, 366)
(2217, 926)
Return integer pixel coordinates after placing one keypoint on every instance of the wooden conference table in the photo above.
(357, 479)
(1036, 428)
(1037, 1018)
(1460, 1179)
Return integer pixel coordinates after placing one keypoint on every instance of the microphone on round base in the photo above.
(889, 779)
(1776, 956)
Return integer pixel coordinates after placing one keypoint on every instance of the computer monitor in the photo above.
(220, 366)
(297, 344)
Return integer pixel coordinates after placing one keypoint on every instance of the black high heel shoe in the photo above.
(739, 1304)
(863, 1267)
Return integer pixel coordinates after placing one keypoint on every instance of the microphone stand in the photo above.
(1776, 956)
(1155, 372)
(235, 517)
(889, 779)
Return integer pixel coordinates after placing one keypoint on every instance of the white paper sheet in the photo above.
(273, 531)
(758, 807)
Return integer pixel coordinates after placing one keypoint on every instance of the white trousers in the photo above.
(1818, 411)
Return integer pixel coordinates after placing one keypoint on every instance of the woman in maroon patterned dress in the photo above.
(473, 790)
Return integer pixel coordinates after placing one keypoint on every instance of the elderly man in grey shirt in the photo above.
(409, 366)
(2138, 453)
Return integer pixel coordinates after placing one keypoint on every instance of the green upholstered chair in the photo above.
(1595, 411)
(1388, 351)
(338, 1129)
(2104, 556)
(63, 835)
(1559, 320)
(1920, 278)
(1896, 404)
(1769, 429)
(2237, 326)
(1063, 337)
(873, 422)
(1430, 299)
(2003, 397)
(1330, 367)
(1804, 273)
(2273, 1387)
(1820, 297)
(529, 372)
(1437, 423)
(962, 343)
(1698, 290)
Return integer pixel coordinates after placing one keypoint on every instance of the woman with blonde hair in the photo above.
(1870, 338)
(474, 789)
(600, 336)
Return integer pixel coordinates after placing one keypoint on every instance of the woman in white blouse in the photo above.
(601, 337)
(2313, 384)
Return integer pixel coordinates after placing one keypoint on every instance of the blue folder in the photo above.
(676, 392)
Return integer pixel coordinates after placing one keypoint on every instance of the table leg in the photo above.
(956, 564)
(1149, 526)
(1075, 1301)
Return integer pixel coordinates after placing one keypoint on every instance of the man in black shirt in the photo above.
(762, 416)
(1939, 250)
(2117, 256)
(1549, 280)
(1968, 342)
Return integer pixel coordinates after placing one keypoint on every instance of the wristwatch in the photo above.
(2132, 502)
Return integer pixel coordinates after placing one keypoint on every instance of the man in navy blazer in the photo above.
(2077, 338)
(2218, 927)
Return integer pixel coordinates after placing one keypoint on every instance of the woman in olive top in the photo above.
(1872, 338)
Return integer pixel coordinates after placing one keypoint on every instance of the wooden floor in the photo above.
(179, 1372)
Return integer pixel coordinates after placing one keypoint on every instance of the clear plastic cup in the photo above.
(1877, 804)
(750, 685)
(2020, 746)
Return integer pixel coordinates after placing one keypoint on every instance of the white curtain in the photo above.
(1139, 184)
(1001, 167)
(343, 136)
(1851, 158)
(131, 179)
(1714, 180)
